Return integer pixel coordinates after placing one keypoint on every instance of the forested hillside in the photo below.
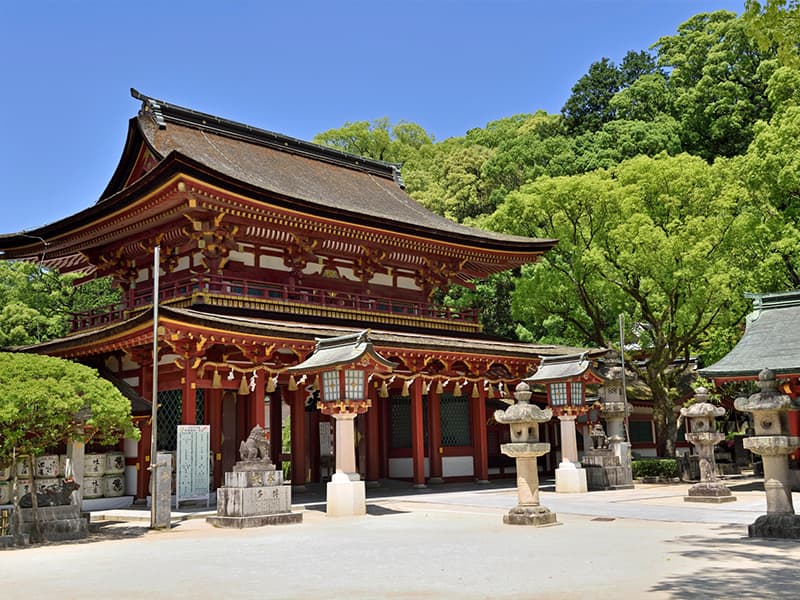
(671, 179)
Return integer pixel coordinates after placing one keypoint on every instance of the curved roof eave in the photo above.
(176, 163)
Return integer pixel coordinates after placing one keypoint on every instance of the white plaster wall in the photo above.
(457, 466)
(404, 468)
(382, 279)
(312, 269)
(272, 262)
(247, 258)
(183, 263)
(406, 283)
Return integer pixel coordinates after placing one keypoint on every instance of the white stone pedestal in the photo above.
(570, 478)
(346, 496)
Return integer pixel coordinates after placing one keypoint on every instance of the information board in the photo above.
(193, 468)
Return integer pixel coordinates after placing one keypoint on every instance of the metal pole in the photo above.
(154, 397)
(624, 384)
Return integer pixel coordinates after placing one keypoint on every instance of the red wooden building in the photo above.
(267, 243)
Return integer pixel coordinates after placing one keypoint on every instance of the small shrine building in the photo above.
(266, 244)
(770, 341)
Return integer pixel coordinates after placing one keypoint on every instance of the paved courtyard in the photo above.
(443, 542)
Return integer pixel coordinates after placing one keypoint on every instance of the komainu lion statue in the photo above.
(255, 447)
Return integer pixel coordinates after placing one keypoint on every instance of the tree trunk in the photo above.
(16, 526)
(36, 534)
(664, 419)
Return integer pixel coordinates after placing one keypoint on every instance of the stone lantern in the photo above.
(773, 443)
(523, 419)
(344, 364)
(704, 436)
(565, 378)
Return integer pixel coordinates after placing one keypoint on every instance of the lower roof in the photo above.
(771, 340)
(304, 332)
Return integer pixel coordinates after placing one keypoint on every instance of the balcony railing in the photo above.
(253, 295)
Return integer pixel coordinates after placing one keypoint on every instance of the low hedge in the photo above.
(655, 467)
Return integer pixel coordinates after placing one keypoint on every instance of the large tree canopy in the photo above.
(45, 401)
(378, 139)
(670, 241)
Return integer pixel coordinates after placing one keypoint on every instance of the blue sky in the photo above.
(297, 67)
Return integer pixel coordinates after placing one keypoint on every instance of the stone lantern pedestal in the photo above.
(704, 437)
(346, 492)
(772, 442)
(570, 474)
(525, 447)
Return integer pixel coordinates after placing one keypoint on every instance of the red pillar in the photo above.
(298, 439)
(373, 438)
(435, 449)
(146, 392)
(214, 418)
(189, 396)
(256, 406)
(143, 460)
(417, 434)
(480, 452)
(275, 428)
(313, 445)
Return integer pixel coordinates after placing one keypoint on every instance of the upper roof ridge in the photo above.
(164, 112)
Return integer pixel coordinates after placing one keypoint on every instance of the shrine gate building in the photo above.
(268, 243)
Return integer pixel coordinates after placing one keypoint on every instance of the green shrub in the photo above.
(655, 467)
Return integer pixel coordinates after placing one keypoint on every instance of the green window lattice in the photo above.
(455, 420)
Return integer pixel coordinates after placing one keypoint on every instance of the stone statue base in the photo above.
(710, 492)
(57, 523)
(604, 471)
(537, 516)
(253, 496)
(785, 527)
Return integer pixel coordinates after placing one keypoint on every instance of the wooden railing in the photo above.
(269, 296)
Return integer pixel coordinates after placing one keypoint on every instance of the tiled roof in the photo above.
(559, 368)
(771, 339)
(306, 332)
(292, 168)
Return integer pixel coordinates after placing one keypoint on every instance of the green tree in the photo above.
(379, 139)
(36, 304)
(718, 78)
(668, 241)
(775, 24)
(45, 401)
(771, 168)
(590, 105)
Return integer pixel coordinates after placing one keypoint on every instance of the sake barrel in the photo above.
(5, 492)
(94, 465)
(113, 485)
(115, 463)
(24, 486)
(93, 487)
(23, 468)
(43, 483)
(5, 473)
(46, 466)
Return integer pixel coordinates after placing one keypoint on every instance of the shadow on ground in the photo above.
(98, 532)
(744, 567)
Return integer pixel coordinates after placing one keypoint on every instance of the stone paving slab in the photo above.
(412, 547)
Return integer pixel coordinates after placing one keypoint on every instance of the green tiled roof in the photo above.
(771, 339)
